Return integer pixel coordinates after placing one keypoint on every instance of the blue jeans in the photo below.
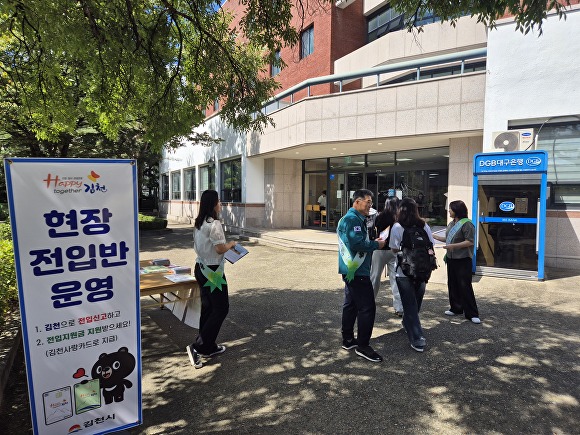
(412, 296)
(359, 306)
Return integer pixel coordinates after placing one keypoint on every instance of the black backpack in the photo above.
(417, 257)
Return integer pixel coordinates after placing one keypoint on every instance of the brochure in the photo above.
(180, 277)
(234, 254)
(155, 269)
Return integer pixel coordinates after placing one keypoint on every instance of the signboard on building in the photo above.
(75, 233)
(511, 162)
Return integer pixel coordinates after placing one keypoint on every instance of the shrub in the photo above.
(151, 223)
(8, 290)
(3, 212)
(5, 231)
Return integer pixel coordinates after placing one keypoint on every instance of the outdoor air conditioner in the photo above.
(514, 140)
(343, 3)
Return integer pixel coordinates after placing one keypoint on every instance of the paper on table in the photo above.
(180, 277)
(234, 254)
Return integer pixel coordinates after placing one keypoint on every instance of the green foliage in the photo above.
(158, 63)
(4, 213)
(8, 289)
(151, 223)
(528, 14)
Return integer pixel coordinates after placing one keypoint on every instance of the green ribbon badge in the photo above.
(215, 280)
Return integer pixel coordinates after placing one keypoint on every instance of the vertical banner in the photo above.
(75, 232)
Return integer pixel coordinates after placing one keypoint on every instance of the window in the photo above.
(189, 184)
(307, 42)
(164, 187)
(176, 185)
(207, 177)
(275, 66)
(216, 105)
(562, 142)
(231, 180)
(384, 21)
(440, 71)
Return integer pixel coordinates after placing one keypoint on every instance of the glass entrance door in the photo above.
(381, 185)
(341, 187)
(507, 236)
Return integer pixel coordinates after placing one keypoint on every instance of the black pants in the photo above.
(461, 296)
(359, 306)
(214, 309)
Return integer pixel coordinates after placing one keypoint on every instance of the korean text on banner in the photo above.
(75, 233)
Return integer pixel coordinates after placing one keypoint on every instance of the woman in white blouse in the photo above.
(209, 242)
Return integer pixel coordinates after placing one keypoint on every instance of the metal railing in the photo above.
(416, 64)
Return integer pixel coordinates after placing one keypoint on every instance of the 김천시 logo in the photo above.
(533, 161)
(507, 206)
(75, 184)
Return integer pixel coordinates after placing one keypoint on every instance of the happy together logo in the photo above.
(63, 185)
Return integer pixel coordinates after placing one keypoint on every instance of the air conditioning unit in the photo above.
(343, 3)
(514, 140)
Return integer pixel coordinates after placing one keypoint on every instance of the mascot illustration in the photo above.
(111, 370)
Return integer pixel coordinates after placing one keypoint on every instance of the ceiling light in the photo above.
(297, 152)
(404, 160)
(341, 154)
(334, 149)
(380, 143)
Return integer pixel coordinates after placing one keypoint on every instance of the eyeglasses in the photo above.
(368, 201)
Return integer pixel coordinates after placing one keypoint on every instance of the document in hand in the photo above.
(234, 254)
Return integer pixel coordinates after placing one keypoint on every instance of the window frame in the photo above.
(307, 44)
(554, 185)
(210, 169)
(165, 187)
(231, 191)
(275, 69)
(175, 179)
(189, 194)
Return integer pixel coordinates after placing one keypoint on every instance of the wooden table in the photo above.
(155, 284)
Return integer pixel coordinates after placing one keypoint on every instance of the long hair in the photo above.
(409, 214)
(209, 199)
(388, 216)
(459, 208)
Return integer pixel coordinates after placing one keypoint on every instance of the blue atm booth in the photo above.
(509, 209)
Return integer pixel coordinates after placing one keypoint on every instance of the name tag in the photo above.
(357, 229)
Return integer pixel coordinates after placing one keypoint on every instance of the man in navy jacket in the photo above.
(354, 263)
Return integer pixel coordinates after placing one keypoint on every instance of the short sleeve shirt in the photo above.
(206, 238)
(466, 232)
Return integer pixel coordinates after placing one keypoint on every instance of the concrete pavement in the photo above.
(284, 370)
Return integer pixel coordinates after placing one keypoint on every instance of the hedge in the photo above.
(8, 289)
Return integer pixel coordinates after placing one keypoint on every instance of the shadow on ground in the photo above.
(284, 371)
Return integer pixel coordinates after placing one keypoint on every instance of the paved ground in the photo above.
(284, 371)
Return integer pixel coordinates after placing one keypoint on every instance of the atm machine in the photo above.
(509, 211)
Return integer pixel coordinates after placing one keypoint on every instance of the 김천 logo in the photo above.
(507, 206)
(74, 184)
(533, 161)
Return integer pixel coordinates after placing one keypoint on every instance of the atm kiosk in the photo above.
(509, 210)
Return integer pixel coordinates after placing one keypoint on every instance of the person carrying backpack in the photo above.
(459, 238)
(412, 241)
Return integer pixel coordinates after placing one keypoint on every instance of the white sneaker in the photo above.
(450, 313)
(476, 320)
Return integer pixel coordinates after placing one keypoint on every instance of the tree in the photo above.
(159, 63)
(155, 62)
(528, 14)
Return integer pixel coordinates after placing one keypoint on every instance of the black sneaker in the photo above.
(218, 349)
(349, 344)
(368, 353)
(194, 357)
(417, 347)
